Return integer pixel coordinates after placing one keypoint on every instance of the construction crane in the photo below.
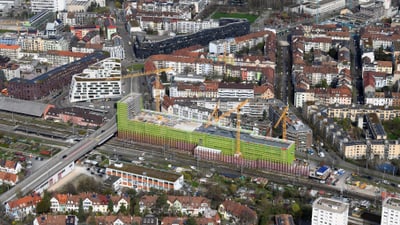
(282, 119)
(157, 84)
(213, 115)
(228, 113)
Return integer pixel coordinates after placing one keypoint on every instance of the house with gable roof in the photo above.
(189, 205)
(238, 212)
(19, 208)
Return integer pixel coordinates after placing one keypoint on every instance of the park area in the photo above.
(218, 15)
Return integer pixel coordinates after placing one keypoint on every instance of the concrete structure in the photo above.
(51, 5)
(329, 211)
(390, 211)
(211, 143)
(99, 81)
(142, 179)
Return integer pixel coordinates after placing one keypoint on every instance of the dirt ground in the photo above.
(75, 176)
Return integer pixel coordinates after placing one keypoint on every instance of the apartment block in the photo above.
(11, 51)
(329, 211)
(390, 211)
(99, 81)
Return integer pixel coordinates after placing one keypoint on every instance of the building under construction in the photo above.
(211, 143)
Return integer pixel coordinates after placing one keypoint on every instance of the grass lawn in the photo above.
(251, 18)
(135, 67)
(391, 128)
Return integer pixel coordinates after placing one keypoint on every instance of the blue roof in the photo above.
(322, 169)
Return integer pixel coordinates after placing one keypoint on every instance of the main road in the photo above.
(61, 160)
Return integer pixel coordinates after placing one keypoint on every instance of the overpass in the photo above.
(55, 164)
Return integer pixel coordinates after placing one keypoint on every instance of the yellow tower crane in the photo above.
(149, 73)
(238, 121)
(282, 119)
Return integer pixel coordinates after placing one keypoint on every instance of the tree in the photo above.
(81, 212)
(333, 53)
(110, 207)
(161, 203)
(123, 210)
(190, 221)
(44, 205)
(265, 115)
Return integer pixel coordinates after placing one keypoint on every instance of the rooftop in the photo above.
(22, 106)
(159, 174)
(331, 205)
(392, 202)
(198, 126)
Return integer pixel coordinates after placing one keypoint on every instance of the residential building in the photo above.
(233, 90)
(325, 7)
(10, 166)
(81, 31)
(95, 202)
(52, 80)
(149, 220)
(11, 51)
(389, 149)
(284, 219)
(75, 115)
(19, 208)
(115, 220)
(59, 58)
(390, 211)
(11, 70)
(329, 211)
(99, 81)
(78, 6)
(115, 47)
(56, 220)
(8, 178)
(141, 178)
(354, 111)
(233, 210)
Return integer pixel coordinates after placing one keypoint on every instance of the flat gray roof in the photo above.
(22, 106)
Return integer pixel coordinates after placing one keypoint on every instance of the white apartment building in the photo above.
(185, 27)
(52, 5)
(99, 81)
(390, 211)
(300, 97)
(323, 7)
(230, 90)
(328, 211)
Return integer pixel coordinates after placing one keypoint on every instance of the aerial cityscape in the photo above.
(199, 112)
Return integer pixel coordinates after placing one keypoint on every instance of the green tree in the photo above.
(161, 203)
(110, 207)
(191, 221)
(123, 210)
(44, 205)
(333, 53)
(81, 212)
(163, 77)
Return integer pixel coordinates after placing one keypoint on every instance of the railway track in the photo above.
(159, 155)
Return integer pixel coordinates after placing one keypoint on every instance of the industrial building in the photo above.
(143, 179)
(209, 143)
(99, 81)
(227, 28)
(329, 211)
(52, 80)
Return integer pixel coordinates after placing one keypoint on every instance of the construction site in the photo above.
(205, 142)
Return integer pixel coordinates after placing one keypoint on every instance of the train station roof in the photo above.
(24, 107)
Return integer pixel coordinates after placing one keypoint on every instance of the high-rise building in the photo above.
(390, 211)
(329, 211)
(52, 5)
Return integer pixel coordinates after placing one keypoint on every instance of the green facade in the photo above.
(249, 150)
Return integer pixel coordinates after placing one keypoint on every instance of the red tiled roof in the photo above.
(25, 201)
(384, 63)
(67, 53)
(8, 177)
(251, 36)
(236, 209)
(112, 218)
(169, 220)
(148, 200)
(11, 47)
(10, 164)
(369, 80)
